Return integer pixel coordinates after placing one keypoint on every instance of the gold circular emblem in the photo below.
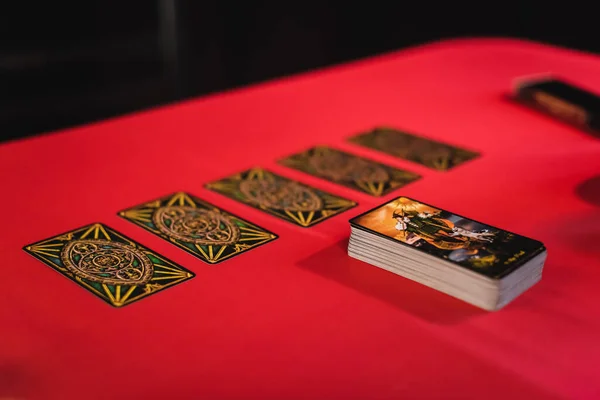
(195, 225)
(343, 168)
(286, 195)
(107, 262)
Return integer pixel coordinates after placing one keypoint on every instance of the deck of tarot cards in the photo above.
(477, 263)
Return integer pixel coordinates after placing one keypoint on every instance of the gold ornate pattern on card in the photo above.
(430, 153)
(108, 264)
(198, 227)
(349, 170)
(282, 197)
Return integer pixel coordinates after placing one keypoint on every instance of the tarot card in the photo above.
(108, 264)
(352, 171)
(479, 247)
(198, 227)
(282, 197)
(432, 154)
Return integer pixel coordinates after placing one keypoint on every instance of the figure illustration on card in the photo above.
(417, 221)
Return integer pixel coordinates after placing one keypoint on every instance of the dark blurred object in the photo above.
(562, 100)
(63, 65)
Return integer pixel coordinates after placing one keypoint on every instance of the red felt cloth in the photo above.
(297, 318)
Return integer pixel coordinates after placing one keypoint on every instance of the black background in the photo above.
(63, 64)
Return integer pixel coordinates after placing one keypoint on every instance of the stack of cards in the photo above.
(562, 100)
(482, 265)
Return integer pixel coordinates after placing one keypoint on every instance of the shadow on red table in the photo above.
(575, 231)
(334, 263)
(589, 191)
(15, 381)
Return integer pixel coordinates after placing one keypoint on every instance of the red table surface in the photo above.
(297, 318)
